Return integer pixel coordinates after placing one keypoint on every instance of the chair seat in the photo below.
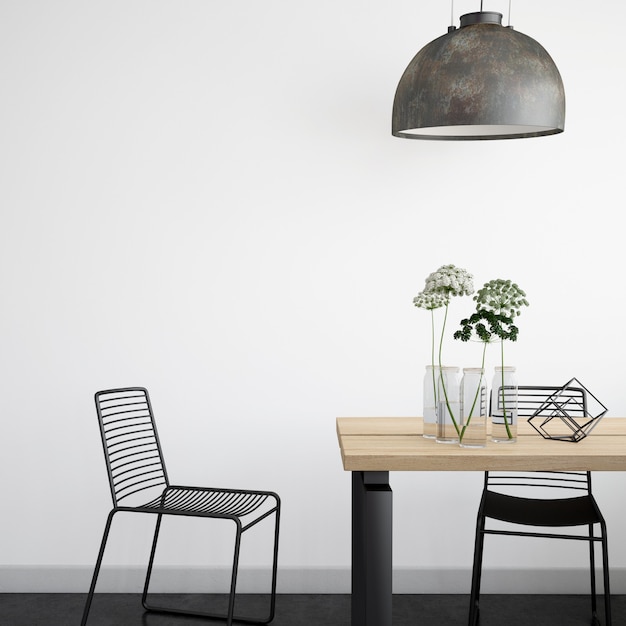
(206, 501)
(537, 512)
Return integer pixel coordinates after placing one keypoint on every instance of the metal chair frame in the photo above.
(501, 500)
(135, 464)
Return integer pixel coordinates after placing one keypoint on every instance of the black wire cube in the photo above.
(569, 414)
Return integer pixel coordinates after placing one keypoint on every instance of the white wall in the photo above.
(204, 197)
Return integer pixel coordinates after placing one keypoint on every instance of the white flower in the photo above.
(430, 301)
(451, 281)
(501, 296)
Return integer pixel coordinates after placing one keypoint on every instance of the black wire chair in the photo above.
(135, 464)
(511, 497)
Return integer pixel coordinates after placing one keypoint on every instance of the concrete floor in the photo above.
(29, 609)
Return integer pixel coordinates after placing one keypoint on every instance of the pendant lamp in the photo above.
(480, 81)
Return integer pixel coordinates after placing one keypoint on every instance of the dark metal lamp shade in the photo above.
(482, 81)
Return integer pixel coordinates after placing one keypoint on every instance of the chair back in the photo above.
(532, 399)
(551, 485)
(130, 441)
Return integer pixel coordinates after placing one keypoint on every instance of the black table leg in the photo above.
(371, 549)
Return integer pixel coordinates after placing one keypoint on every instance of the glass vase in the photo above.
(431, 378)
(448, 405)
(504, 405)
(473, 409)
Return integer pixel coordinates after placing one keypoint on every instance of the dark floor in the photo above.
(40, 609)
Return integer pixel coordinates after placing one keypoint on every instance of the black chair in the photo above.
(567, 502)
(135, 464)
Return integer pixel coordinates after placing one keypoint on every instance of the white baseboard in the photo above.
(174, 579)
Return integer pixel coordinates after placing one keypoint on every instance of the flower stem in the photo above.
(443, 384)
(478, 388)
(506, 421)
(432, 356)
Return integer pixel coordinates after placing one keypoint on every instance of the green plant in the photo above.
(497, 304)
(441, 285)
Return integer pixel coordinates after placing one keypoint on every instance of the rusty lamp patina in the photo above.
(481, 81)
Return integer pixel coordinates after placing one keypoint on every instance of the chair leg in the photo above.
(477, 571)
(272, 610)
(96, 571)
(229, 617)
(157, 528)
(233, 580)
(605, 568)
(592, 570)
(274, 568)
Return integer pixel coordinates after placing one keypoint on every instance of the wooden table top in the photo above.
(371, 444)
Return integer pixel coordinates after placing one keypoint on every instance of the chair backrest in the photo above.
(548, 484)
(533, 399)
(130, 441)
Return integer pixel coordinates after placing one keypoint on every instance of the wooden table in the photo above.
(372, 447)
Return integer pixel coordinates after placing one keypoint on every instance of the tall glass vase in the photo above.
(474, 401)
(448, 405)
(431, 383)
(504, 394)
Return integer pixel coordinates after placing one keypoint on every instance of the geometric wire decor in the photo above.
(569, 414)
